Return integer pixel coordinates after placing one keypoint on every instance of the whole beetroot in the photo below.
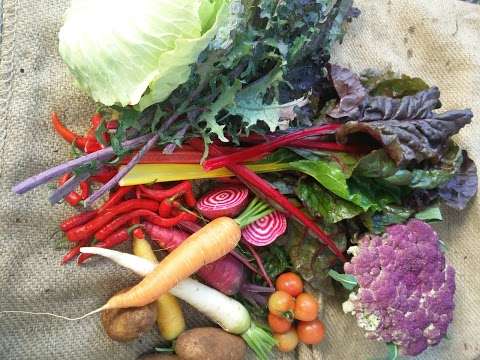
(406, 290)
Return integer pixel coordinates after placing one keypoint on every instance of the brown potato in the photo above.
(210, 344)
(158, 356)
(128, 324)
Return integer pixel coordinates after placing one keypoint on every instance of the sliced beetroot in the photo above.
(266, 230)
(225, 201)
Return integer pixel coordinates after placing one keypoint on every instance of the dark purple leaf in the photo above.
(350, 90)
(458, 191)
(411, 140)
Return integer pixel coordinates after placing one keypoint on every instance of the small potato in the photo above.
(158, 357)
(128, 324)
(210, 344)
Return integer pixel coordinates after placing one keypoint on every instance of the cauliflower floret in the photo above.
(406, 290)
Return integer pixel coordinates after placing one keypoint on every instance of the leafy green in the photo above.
(399, 87)
(321, 202)
(377, 164)
(431, 214)
(226, 99)
(311, 259)
(392, 351)
(348, 281)
(376, 222)
(275, 260)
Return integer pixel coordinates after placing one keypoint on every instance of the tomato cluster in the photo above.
(289, 304)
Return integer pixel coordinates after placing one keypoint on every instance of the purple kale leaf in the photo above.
(411, 140)
(406, 289)
(458, 191)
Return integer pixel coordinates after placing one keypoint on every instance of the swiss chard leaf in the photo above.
(431, 214)
(399, 87)
(348, 281)
(322, 203)
(377, 164)
(377, 222)
(463, 187)
(275, 260)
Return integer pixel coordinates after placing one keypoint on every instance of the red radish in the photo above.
(266, 230)
(226, 274)
(224, 201)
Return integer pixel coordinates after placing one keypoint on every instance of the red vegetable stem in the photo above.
(89, 229)
(75, 251)
(259, 261)
(104, 175)
(113, 240)
(269, 193)
(115, 199)
(244, 261)
(329, 146)
(251, 152)
(108, 229)
(170, 222)
(66, 134)
(77, 220)
(159, 195)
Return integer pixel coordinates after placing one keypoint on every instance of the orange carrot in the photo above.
(210, 243)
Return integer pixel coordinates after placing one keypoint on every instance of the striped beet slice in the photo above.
(266, 230)
(224, 201)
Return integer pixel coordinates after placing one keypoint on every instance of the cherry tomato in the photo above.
(288, 341)
(306, 307)
(311, 332)
(278, 324)
(289, 282)
(281, 304)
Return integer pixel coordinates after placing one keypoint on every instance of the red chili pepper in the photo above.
(77, 220)
(92, 144)
(113, 240)
(139, 233)
(84, 190)
(170, 222)
(115, 198)
(104, 175)
(159, 195)
(73, 252)
(89, 229)
(165, 208)
(66, 134)
(72, 198)
(103, 233)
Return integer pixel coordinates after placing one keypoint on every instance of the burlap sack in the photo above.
(437, 40)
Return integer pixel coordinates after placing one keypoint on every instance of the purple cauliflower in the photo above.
(405, 289)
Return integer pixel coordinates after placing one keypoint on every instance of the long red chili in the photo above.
(77, 220)
(108, 229)
(84, 190)
(72, 198)
(113, 240)
(165, 208)
(115, 199)
(66, 134)
(75, 251)
(89, 229)
(159, 195)
(91, 144)
(170, 222)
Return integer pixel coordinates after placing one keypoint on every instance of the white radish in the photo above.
(226, 312)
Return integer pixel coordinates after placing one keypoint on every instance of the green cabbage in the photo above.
(136, 52)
